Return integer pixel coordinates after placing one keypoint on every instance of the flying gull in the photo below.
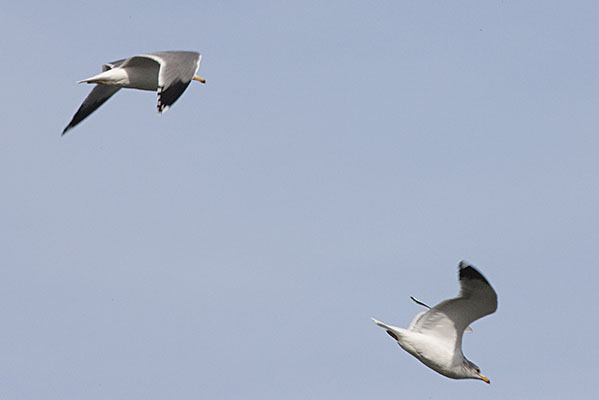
(167, 72)
(435, 336)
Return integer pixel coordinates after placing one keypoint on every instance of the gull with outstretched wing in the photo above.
(166, 72)
(435, 336)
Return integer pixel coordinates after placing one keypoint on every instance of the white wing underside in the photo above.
(416, 318)
(467, 330)
(447, 320)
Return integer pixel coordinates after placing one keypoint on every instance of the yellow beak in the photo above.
(484, 378)
(199, 79)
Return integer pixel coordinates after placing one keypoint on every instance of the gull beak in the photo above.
(484, 378)
(199, 79)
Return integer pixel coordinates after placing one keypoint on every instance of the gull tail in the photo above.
(393, 331)
(94, 79)
(115, 76)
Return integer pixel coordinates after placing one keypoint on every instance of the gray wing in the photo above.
(95, 99)
(113, 64)
(448, 319)
(177, 68)
(98, 96)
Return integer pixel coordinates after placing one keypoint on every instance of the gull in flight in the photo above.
(166, 72)
(435, 336)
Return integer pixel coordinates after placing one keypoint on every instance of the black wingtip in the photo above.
(167, 96)
(468, 271)
(70, 126)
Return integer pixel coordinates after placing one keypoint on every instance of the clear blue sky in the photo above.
(341, 157)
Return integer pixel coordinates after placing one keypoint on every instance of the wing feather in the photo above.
(177, 69)
(94, 99)
(113, 64)
(448, 319)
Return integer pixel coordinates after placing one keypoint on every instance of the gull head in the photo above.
(473, 372)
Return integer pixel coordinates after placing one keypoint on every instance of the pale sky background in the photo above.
(341, 157)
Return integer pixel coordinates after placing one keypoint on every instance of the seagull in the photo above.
(167, 72)
(435, 336)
